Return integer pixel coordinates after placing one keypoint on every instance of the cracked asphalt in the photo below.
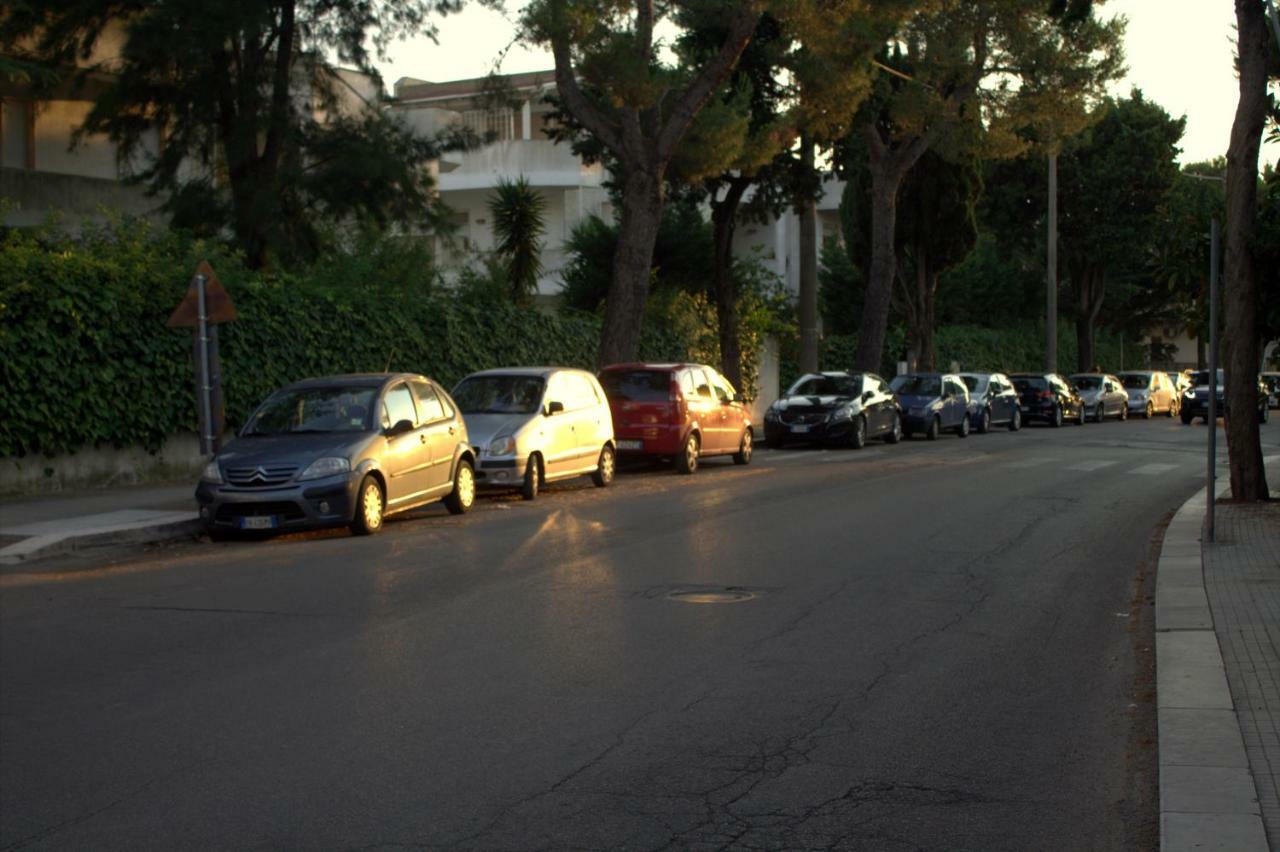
(946, 646)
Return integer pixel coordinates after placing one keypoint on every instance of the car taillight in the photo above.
(1046, 394)
(677, 403)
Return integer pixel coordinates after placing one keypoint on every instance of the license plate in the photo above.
(1026, 408)
(800, 427)
(259, 522)
(631, 445)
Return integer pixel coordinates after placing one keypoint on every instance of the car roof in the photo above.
(647, 365)
(373, 380)
(526, 371)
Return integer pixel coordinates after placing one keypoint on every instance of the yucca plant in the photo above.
(519, 221)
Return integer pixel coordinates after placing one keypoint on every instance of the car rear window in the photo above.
(637, 385)
(1025, 383)
(1135, 381)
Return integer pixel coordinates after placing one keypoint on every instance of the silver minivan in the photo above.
(534, 425)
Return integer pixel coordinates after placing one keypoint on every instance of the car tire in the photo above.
(745, 448)
(1055, 419)
(1015, 422)
(1124, 412)
(606, 466)
(371, 504)
(1187, 418)
(1171, 412)
(963, 429)
(984, 422)
(687, 460)
(1100, 413)
(934, 428)
(858, 437)
(894, 435)
(1080, 417)
(1150, 410)
(532, 483)
(463, 495)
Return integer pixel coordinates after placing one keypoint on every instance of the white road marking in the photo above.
(1035, 462)
(1154, 469)
(1091, 465)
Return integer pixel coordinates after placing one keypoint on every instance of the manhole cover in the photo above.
(712, 596)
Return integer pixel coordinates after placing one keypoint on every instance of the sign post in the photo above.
(204, 306)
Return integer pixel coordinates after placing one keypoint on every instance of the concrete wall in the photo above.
(768, 383)
(37, 194)
(101, 467)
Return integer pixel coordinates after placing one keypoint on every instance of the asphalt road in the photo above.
(942, 646)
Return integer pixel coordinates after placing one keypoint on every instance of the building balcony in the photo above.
(541, 162)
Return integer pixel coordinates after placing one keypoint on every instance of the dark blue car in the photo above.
(933, 403)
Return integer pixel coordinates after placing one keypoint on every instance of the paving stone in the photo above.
(1190, 737)
(1189, 671)
(1211, 833)
(1207, 789)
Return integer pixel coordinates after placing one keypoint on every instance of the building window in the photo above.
(493, 125)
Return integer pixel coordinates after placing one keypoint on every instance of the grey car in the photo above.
(340, 450)
(534, 425)
(1102, 394)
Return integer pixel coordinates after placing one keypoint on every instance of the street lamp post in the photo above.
(1212, 461)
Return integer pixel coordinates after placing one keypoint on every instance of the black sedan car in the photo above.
(1047, 397)
(340, 450)
(834, 408)
(1195, 400)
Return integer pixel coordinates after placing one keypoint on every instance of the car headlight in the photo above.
(1188, 394)
(326, 467)
(772, 413)
(212, 473)
(843, 413)
(503, 445)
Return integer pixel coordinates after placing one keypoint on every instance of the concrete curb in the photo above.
(1208, 799)
(163, 527)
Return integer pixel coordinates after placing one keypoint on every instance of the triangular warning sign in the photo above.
(217, 302)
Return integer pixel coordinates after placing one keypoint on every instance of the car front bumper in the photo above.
(776, 431)
(301, 505)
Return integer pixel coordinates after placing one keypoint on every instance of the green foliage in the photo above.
(840, 286)
(86, 359)
(519, 223)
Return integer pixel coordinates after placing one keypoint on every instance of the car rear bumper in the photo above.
(650, 440)
(318, 503)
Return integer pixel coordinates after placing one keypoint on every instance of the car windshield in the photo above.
(320, 409)
(1086, 382)
(1202, 378)
(975, 384)
(826, 386)
(499, 394)
(1025, 383)
(920, 386)
(637, 385)
(1135, 381)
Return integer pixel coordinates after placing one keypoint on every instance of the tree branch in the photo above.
(592, 118)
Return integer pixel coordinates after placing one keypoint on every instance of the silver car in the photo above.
(1150, 392)
(534, 425)
(1102, 394)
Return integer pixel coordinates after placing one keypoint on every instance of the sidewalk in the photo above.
(1218, 677)
(36, 527)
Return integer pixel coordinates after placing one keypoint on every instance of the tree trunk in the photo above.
(1240, 298)
(724, 289)
(927, 289)
(1090, 284)
(629, 286)
(807, 212)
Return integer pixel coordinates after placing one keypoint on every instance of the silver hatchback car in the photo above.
(534, 425)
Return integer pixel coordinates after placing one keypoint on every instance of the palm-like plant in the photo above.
(519, 221)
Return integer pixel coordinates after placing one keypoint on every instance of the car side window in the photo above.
(702, 384)
(687, 385)
(722, 388)
(430, 408)
(578, 393)
(397, 405)
(883, 387)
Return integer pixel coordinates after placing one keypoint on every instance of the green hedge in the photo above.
(86, 359)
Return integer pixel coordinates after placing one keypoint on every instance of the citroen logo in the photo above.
(260, 475)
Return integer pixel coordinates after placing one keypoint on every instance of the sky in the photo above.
(1178, 52)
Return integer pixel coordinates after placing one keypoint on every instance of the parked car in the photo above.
(932, 403)
(1102, 395)
(834, 408)
(1181, 381)
(992, 401)
(1047, 397)
(1195, 402)
(685, 412)
(533, 425)
(341, 450)
(1272, 381)
(1150, 393)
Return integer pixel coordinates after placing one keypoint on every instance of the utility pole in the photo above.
(1211, 490)
(1051, 295)
(807, 211)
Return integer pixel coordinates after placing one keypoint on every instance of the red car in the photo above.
(682, 411)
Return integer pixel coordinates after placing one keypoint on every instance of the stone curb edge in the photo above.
(43, 546)
(1208, 798)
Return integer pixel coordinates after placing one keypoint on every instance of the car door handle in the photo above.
(451, 430)
(422, 438)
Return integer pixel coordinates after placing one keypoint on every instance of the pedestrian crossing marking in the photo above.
(1096, 464)
(1033, 462)
(1154, 469)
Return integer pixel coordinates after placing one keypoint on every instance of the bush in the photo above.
(86, 359)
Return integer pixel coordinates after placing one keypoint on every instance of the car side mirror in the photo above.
(737, 397)
(400, 428)
(554, 408)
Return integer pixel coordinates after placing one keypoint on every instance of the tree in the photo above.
(254, 136)
(1255, 58)
(1105, 233)
(1009, 61)
(610, 79)
(519, 221)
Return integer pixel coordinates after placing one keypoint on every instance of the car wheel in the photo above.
(532, 479)
(963, 429)
(984, 422)
(1187, 418)
(894, 435)
(463, 496)
(1080, 416)
(1124, 412)
(1015, 422)
(1172, 410)
(605, 467)
(743, 455)
(1100, 413)
(687, 461)
(858, 439)
(934, 428)
(1055, 419)
(1150, 410)
(370, 505)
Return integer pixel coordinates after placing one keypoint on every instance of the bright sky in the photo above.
(1179, 52)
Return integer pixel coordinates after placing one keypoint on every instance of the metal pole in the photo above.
(202, 332)
(1213, 376)
(1051, 296)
